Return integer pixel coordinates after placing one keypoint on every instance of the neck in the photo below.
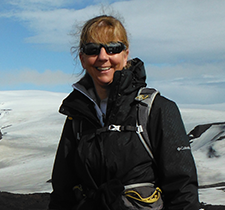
(102, 92)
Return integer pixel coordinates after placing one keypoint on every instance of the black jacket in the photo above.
(94, 159)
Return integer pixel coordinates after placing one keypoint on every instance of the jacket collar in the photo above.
(127, 80)
(130, 79)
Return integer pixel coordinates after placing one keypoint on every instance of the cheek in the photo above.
(124, 57)
(87, 61)
(123, 62)
(120, 60)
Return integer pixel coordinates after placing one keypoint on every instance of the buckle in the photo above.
(139, 128)
(141, 97)
(114, 128)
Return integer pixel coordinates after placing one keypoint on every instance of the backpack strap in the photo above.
(145, 98)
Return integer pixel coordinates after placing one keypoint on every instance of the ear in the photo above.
(82, 60)
(126, 54)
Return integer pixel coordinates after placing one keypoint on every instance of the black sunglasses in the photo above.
(111, 48)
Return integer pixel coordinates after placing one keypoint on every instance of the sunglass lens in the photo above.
(91, 49)
(114, 48)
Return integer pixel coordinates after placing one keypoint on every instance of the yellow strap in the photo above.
(79, 187)
(151, 199)
(141, 97)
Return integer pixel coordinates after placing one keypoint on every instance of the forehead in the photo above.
(103, 33)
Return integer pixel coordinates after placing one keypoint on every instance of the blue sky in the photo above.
(182, 44)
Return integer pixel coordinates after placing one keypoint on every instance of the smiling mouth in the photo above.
(102, 68)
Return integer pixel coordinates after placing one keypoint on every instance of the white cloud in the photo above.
(38, 4)
(160, 32)
(49, 23)
(194, 94)
(178, 40)
(188, 70)
(177, 30)
(189, 83)
(29, 76)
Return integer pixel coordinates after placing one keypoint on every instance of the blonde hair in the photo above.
(103, 29)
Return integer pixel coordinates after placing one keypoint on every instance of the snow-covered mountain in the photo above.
(31, 127)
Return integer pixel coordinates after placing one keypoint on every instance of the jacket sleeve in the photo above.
(176, 168)
(63, 174)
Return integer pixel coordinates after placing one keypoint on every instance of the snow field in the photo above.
(31, 127)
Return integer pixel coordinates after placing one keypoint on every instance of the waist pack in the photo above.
(143, 196)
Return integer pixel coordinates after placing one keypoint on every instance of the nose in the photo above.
(103, 54)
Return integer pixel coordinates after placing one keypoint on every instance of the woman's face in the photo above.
(102, 67)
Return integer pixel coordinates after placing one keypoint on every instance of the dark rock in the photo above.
(36, 201)
(39, 201)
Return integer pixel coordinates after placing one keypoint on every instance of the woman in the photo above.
(94, 166)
